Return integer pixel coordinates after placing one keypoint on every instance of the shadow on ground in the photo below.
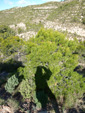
(43, 91)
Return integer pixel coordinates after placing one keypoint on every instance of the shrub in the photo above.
(20, 30)
(55, 53)
(11, 84)
(25, 89)
(6, 31)
(10, 45)
(4, 28)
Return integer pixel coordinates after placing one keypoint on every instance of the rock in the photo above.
(27, 35)
(21, 25)
(6, 109)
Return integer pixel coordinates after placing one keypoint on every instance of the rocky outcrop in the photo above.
(27, 35)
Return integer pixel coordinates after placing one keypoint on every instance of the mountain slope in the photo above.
(62, 16)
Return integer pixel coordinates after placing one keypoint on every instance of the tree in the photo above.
(53, 51)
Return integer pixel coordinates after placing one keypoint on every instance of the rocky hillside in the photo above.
(67, 17)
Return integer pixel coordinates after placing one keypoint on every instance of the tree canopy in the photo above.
(53, 51)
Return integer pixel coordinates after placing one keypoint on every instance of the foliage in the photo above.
(6, 31)
(33, 14)
(26, 88)
(53, 51)
(10, 47)
(20, 30)
(42, 97)
(65, 10)
(83, 20)
(81, 51)
(11, 84)
(70, 101)
(38, 104)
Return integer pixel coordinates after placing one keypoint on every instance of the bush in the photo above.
(25, 89)
(4, 28)
(10, 45)
(55, 53)
(6, 31)
(11, 84)
(20, 30)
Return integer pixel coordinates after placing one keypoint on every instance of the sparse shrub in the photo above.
(11, 84)
(33, 26)
(61, 11)
(75, 19)
(20, 30)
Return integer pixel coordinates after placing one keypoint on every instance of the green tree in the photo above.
(53, 51)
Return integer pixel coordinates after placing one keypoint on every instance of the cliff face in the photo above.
(64, 16)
